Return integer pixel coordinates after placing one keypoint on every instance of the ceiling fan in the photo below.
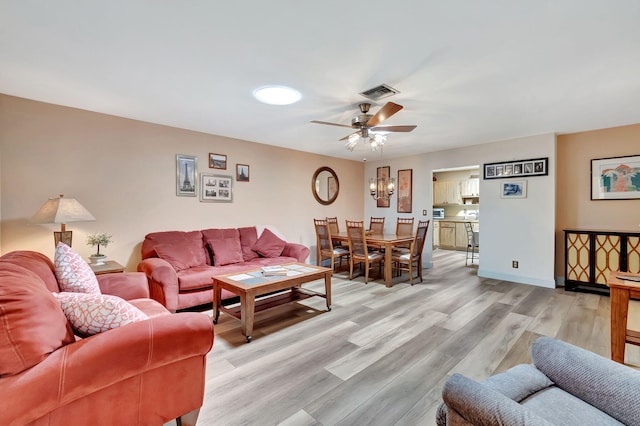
(369, 125)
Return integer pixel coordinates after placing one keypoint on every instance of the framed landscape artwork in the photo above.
(382, 173)
(405, 183)
(217, 161)
(616, 178)
(215, 188)
(513, 189)
(186, 166)
(517, 169)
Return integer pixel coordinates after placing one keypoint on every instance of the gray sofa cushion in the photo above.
(562, 408)
(608, 386)
(482, 405)
(519, 382)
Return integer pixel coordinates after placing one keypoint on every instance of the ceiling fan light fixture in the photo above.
(277, 95)
(351, 144)
(379, 138)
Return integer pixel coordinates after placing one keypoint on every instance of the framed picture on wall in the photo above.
(616, 178)
(382, 173)
(216, 188)
(217, 161)
(242, 173)
(405, 184)
(186, 166)
(513, 189)
(515, 169)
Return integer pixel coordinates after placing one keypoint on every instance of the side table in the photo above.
(621, 291)
(108, 267)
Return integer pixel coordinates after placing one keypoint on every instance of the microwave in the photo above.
(438, 213)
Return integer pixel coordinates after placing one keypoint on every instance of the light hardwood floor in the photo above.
(381, 356)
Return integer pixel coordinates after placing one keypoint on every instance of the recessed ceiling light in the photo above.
(277, 95)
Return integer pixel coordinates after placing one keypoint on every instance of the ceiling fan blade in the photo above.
(330, 124)
(347, 137)
(393, 128)
(385, 112)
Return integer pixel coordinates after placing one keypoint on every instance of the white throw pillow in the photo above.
(73, 273)
(91, 314)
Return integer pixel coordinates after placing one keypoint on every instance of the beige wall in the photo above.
(123, 171)
(510, 229)
(575, 209)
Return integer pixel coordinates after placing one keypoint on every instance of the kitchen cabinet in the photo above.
(447, 235)
(470, 187)
(453, 234)
(461, 236)
(446, 192)
(470, 191)
(465, 191)
(436, 233)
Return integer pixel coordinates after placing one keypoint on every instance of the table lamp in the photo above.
(62, 210)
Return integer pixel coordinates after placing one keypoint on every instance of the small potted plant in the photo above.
(99, 239)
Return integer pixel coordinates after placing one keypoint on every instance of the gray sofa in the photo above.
(566, 385)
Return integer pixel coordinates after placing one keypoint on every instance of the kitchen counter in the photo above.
(456, 220)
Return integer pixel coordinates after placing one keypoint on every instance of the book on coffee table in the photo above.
(273, 270)
(635, 278)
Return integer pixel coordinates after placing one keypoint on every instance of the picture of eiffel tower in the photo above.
(186, 184)
(186, 166)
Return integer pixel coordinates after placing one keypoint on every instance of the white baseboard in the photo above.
(516, 278)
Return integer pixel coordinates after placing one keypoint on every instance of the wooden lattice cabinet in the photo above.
(591, 255)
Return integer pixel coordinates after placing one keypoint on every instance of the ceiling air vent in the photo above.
(379, 92)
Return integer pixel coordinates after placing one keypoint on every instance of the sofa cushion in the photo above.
(248, 238)
(91, 314)
(180, 256)
(150, 307)
(226, 251)
(36, 262)
(269, 244)
(225, 245)
(198, 278)
(72, 272)
(32, 325)
(192, 239)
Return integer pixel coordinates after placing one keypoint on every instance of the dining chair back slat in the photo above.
(404, 226)
(407, 260)
(376, 225)
(325, 248)
(333, 225)
(358, 251)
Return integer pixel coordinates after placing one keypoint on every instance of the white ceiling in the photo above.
(469, 72)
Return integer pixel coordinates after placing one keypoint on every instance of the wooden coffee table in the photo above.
(251, 283)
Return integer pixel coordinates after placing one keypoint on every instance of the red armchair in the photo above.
(145, 373)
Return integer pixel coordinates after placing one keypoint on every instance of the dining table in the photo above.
(386, 241)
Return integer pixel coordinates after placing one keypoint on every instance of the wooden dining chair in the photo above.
(376, 225)
(404, 226)
(334, 228)
(325, 248)
(358, 250)
(407, 261)
(333, 224)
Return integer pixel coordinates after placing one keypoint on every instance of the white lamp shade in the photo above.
(62, 210)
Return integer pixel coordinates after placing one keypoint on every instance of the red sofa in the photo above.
(144, 373)
(180, 265)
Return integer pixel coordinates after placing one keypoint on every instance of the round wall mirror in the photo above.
(325, 185)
